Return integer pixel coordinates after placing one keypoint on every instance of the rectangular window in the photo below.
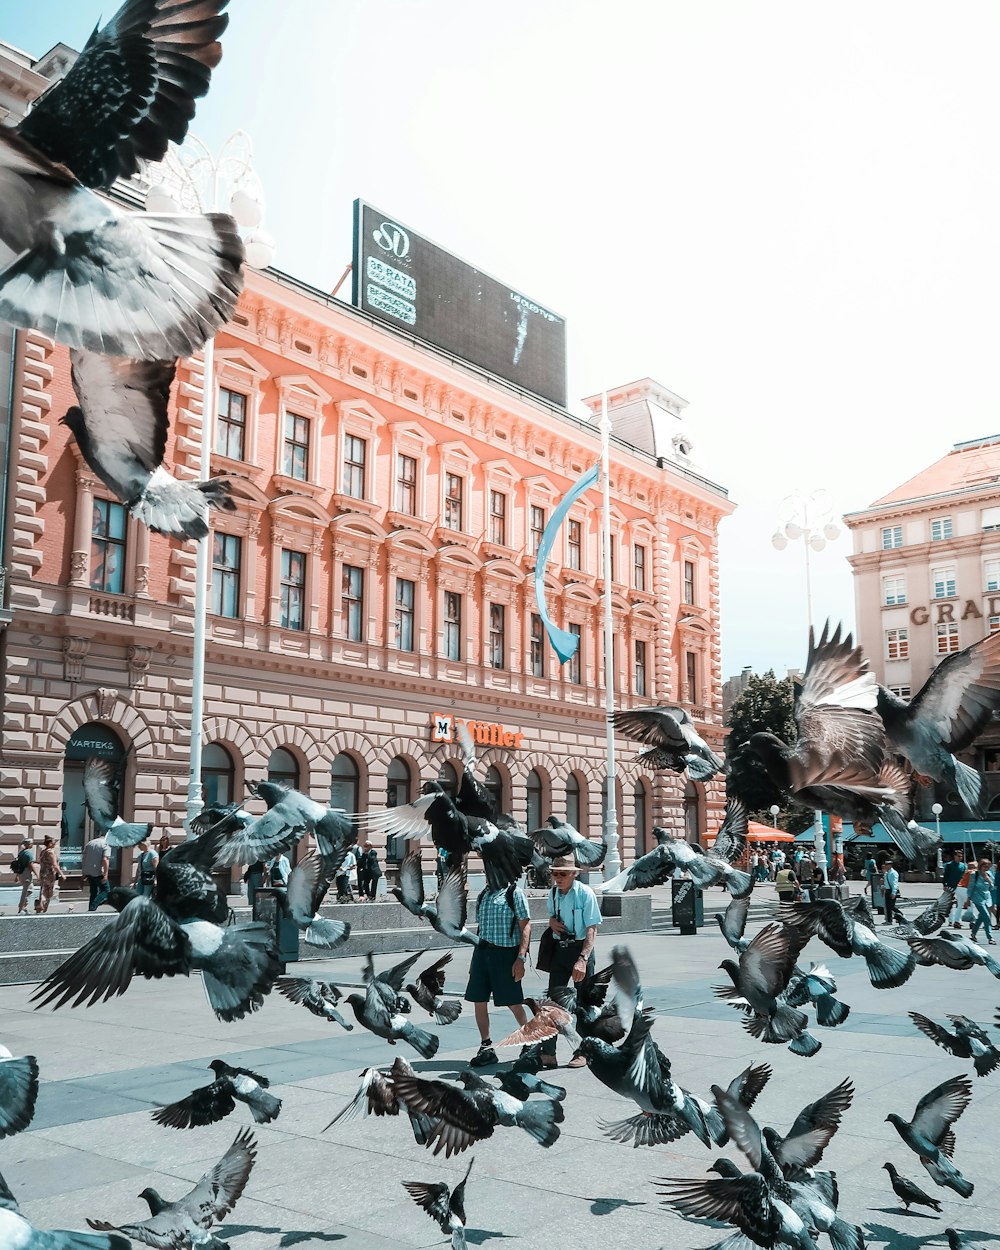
(231, 424)
(227, 556)
(452, 625)
(406, 485)
(946, 638)
(689, 582)
(498, 636)
(575, 662)
(404, 613)
(691, 672)
(993, 624)
(640, 667)
(574, 545)
(107, 547)
(941, 529)
(897, 644)
(355, 452)
(991, 571)
(893, 590)
(537, 528)
(296, 447)
(293, 589)
(639, 567)
(498, 518)
(892, 537)
(901, 692)
(990, 519)
(352, 602)
(537, 646)
(943, 582)
(453, 491)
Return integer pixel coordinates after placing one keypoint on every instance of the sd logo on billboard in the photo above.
(392, 238)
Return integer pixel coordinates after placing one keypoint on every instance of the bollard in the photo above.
(270, 906)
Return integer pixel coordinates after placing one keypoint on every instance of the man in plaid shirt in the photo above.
(497, 966)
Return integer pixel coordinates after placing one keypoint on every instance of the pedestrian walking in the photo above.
(145, 868)
(372, 873)
(23, 867)
(574, 917)
(163, 845)
(343, 879)
(497, 967)
(951, 878)
(890, 888)
(980, 894)
(95, 863)
(49, 872)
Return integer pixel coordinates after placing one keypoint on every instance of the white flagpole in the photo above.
(612, 861)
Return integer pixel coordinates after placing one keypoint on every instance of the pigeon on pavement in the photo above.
(18, 1091)
(427, 992)
(373, 1014)
(953, 950)
(308, 883)
(186, 1223)
(674, 741)
(214, 1102)
(948, 714)
(120, 424)
(558, 837)
(16, 1233)
(101, 800)
(87, 272)
(930, 1134)
(908, 1193)
(319, 997)
(446, 1207)
(449, 911)
(967, 1040)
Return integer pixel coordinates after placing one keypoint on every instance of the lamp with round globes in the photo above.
(793, 531)
(831, 532)
(160, 201)
(246, 207)
(259, 249)
(817, 542)
(811, 518)
(779, 541)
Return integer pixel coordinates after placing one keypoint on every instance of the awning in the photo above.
(756, 832)
(953, 833)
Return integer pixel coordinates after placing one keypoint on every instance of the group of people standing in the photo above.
(975, 886)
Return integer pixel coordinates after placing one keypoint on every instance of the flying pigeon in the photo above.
(930, 1134)
(120, 424)
(373, 1014)
(817, 986)
(812, 1130)
(760, 978)
(967, 1040)
(548, 1020)
(183, 929)
(908, 1193)
(186, 1223)
(101, 799)
(319, 997)
(851, 932)
(290, 813)
(427, 990)
(18, 1091)
(308, 883)
(389, 984)
(585, 1000)
(446, 1207)
(87, 272)
(214, 1102)
(953, 950)
(932, 918)
(376, 1095)
(450, 910)
(560, 838)
(522, 1084)
(17, 1234)
(675, 743)
(948, 714)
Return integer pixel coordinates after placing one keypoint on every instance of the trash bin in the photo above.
(826, 891)
(271, 907)
(684, 900)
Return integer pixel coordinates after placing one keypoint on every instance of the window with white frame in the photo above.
(993, 624)
(406, 484)
(892, 537)
(893, 589)
(639, 567)
(640, 666)
(940, 529)
(405, 595)
(293, 589)
(454, 489)
(946, 637)
(897, 644)
(452, 625)
(107, 547)
(231, 425)
(355, 457)
(689, 587)
(691, 674)
(536, 528)
(574, 666)
(990, 519)
(227, 556)
(537, 646)
(901, 692)
(991, 574)
(498, 635)
(498, 518)
(296, 454)
(943, 583)
(352, 602)
(574, 545)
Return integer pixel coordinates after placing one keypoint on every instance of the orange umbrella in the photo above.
(756, 832)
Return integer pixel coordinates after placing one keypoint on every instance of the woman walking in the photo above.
(981, 899)
(49, 873)
(145, 869)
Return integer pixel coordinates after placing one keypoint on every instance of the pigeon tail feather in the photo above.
(448, 1012)
(992, 966)
(844, 1236)
(326, 933)
(424, 1043)
(986, 1063)
(265, 1107)
(969, 785)
(783, 1026)
(180, 509)
(541, 1120)
(889, 968)
(805, 1045)
(831, 1011)
(738, 883)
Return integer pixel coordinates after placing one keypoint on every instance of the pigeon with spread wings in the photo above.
(930, 1134)
(87, 272)
(446, 1207)
(100, 794)
(674, 742)
(211, 1103)
(120, 426)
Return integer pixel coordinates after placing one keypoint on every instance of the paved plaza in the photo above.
(92, 1146)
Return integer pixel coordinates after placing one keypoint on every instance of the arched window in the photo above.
(493, 785)
(345, 784)
(449, 777)
(640, 799)
(574, 802)
(283, 767)
(399, 782)
(217, 775)
(692, 812)
(76, 827)
(533, 785)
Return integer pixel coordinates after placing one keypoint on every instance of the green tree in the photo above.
(765, 706)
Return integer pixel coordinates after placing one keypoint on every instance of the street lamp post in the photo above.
(192, 179)
(936, 810)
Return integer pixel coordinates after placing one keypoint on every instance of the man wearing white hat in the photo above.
(574, 915)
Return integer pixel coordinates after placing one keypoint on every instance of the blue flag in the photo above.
(563, 642)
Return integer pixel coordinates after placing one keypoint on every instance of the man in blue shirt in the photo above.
(574, 915)
(497, 966)
(891, 886)
(951, 876)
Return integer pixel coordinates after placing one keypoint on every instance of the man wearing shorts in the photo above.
(497, 967)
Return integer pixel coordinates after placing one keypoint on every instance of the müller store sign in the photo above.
(484, 733)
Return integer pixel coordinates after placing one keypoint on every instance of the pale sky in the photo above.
(785, 213)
